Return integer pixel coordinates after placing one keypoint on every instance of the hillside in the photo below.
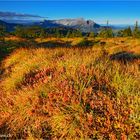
(63, 89)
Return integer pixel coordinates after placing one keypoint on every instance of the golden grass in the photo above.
(71, 93)
(14, 38)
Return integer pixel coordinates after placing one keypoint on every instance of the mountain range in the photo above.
(77, 23)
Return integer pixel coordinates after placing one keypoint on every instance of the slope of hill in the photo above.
(72, 92)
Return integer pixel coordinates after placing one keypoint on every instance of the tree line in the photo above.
(36, 31)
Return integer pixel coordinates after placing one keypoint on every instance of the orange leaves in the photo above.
(34, 78)
(123, 136)
(65, 99)
(112, 136)
(88, 90)
(90, 118)
(92, 104)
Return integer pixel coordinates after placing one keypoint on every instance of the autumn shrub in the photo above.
(84, 42)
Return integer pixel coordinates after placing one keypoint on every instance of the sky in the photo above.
(117, 12)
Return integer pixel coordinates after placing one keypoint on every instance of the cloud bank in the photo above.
(13, 15)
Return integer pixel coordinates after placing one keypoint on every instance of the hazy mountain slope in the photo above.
(79, 23)
(9, 26)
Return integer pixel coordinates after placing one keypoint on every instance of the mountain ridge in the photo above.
(75, 23)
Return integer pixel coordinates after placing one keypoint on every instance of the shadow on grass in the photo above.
(54, 44)
(125, 57)
(7, 47)
(66, 44)
(85, 43)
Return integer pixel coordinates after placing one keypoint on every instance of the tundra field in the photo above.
(70, 88)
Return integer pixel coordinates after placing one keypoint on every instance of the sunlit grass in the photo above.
(71, 93)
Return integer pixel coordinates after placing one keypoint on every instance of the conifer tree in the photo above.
(136, 32)
(68, 34)
(127, 32)
(42, 34)
(2, 32)
(57, 34)
(106, 33)
(91, 34)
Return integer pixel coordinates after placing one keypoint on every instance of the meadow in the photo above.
(70, 88)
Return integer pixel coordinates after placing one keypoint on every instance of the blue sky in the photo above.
(117, 12)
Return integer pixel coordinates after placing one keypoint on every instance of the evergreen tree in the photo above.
(110, 33)
(42, 34)
(73, 34)
(127, 32)
(91, 34)
(61, 35)
(136, 32)
(120, 33)
(2, 31)
(106, 33)
(107, 23)
(68, 35)
(57, 33)
(19, 31)
(78, 34)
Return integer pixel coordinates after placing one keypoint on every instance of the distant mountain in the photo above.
(119, 26)
(78, 23)
(9, 26)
